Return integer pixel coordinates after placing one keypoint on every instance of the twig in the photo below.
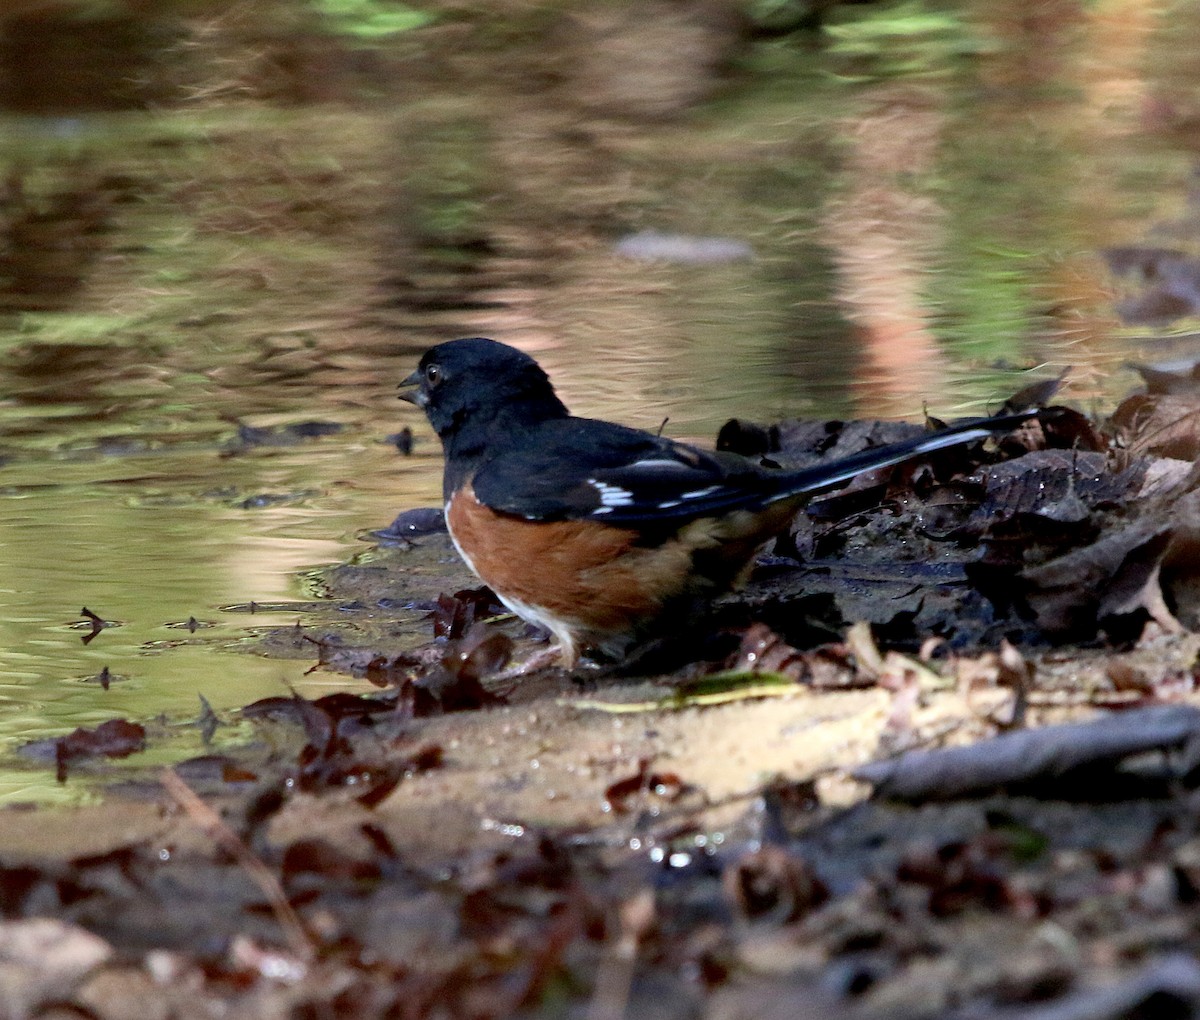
(210, 822)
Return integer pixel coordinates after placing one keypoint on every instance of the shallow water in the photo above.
(865, 224)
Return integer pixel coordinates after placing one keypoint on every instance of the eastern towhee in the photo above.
(593, 530)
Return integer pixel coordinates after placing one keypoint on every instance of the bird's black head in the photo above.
(476, 388)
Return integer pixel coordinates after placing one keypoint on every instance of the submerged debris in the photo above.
(249, 436)
(117, 738)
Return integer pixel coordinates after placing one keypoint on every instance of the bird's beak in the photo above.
(413, 396)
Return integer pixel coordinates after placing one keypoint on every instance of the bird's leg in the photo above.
(535, 663)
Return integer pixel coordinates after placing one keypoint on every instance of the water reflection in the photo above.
(920, 205)
(887, 233)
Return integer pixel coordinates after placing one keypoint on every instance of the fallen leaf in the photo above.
(772, 885)
(642, 784)
(1166, 425)
(1115, 576)
(456, 614)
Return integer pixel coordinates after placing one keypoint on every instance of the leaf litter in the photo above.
(938, 759)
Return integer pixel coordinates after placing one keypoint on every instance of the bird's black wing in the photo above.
(579, 468)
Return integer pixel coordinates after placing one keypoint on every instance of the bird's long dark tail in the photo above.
(819, 477)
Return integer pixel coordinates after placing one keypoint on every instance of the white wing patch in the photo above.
(613, 497)
(684, 497)
(610, 495)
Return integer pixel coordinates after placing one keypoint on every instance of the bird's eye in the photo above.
(433, 373)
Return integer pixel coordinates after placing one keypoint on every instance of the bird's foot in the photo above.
(550, 656)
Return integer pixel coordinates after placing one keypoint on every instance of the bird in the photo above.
(594, 530)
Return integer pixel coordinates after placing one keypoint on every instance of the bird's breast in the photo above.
(595, 577)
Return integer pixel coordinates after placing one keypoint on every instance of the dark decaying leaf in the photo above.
(322, 719)
(1179, 573)
(458, 613)
(480, 652)
(796, 443)
(1036, 394)
(452, 684)
(214, 768)
(905, 601)
(963, 874)
(442, 676)
(1060, 485)
(1056, 428)
(1166, 425)
(441, 692)
(317, 856)
(368, 663)
(116, 738)
(1051, 507)
(748, 438)
(330, 760)
(369, 778)
(1114, 583)
(370, 782)
(772, 885)
(16, 883)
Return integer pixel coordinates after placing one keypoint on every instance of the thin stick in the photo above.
(210, 822)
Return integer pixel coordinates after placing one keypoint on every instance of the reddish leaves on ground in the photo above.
(623, 795)
(333, 759)
(560, 918)
(457, 614)
(443, 676)
(764, 651)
